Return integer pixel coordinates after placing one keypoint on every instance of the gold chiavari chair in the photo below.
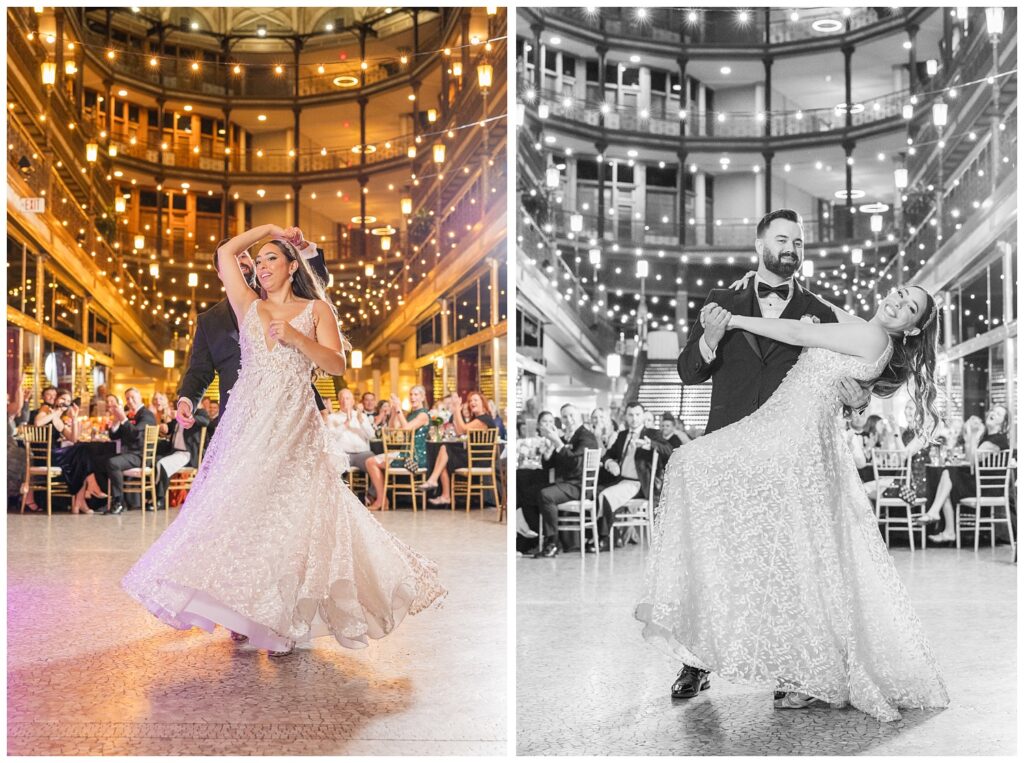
(142, 479)
(186, 475)
(399, 444)
(480, 473)
(41, 474)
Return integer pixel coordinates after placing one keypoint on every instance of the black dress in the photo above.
(918, 465)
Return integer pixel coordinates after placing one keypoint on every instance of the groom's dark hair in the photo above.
(635, 404)
(785, 214)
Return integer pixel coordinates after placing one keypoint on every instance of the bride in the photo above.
(767, 565)
(270, 543)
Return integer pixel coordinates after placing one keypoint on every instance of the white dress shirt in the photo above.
(353, 431)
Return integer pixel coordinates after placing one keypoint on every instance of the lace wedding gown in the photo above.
(270, 542)
(767, 565)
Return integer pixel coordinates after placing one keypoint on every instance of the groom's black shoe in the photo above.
(690, 682)
(117, 508)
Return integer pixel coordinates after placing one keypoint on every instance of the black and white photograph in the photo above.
(766, 342)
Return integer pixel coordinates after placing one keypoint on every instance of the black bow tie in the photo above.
(782, 290)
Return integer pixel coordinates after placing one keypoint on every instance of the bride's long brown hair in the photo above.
(913, 363)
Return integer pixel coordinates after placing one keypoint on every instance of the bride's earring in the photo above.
(905, 338)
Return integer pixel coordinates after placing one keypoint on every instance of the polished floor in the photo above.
(587, 684)
(90, 672)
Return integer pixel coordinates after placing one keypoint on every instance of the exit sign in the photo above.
(33, 204)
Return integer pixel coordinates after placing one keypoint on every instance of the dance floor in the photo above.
(92, 673)
(588, 684)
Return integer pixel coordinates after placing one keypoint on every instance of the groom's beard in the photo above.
(774, 263)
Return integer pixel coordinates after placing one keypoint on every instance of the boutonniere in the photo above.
(808, 318)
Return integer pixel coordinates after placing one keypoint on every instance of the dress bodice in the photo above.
(280, 362)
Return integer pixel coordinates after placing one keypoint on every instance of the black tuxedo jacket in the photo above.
(568, 460)
(215, 349)
(192, 435)
(132, 432)
(747, 369)
(643, 459)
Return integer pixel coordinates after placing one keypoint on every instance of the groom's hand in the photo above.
(852, 394)
(716, 323)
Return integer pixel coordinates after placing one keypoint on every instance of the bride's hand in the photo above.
(741, 284)
(284, 333)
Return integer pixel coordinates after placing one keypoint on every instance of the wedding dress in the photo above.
(269, 541)
(767, 565)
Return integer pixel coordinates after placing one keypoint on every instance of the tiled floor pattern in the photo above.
(91, 672)
(587, 684)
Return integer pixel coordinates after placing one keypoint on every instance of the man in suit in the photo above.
(130, 422)
(567, 460)
(746, 369)
(183, 450)
(626, 471)
(215, 347)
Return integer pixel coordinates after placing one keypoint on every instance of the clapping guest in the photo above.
(495, 414)
(602, 428)
(532, 465)
(368, 402)
(418, 420)
(451, 458)
(626, 471)
(352, 431)
(162, 412)
(567, 460)
(382, 415)
(129, 427)
(989, 437)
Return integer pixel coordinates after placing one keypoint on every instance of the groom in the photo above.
(745, 370)
(215, 346)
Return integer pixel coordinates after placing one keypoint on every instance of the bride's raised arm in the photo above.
(240, 296)
(861, 339)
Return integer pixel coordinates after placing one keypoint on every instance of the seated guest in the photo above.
(532, 465)
(162, 412)
(49, 397)
(16, 463)
(418, 420)
(567, 460)
(626, 471)
(452, 457)
(130, 428)
(98, 404)
(352, 431)
(492, 410)
(990, 437)
(368, 402)
(184, 452)
(381, 416)
(61, 415)
(602, 428)
(675, 435)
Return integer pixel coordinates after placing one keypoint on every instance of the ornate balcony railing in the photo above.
(717, 124)
(721, 26)
(255, 80)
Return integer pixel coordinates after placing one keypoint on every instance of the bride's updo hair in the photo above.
(913, 363)
(305, 284)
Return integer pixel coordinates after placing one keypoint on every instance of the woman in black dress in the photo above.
(952, 485)
(451, 456)
(62, 417)
(531, 476)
